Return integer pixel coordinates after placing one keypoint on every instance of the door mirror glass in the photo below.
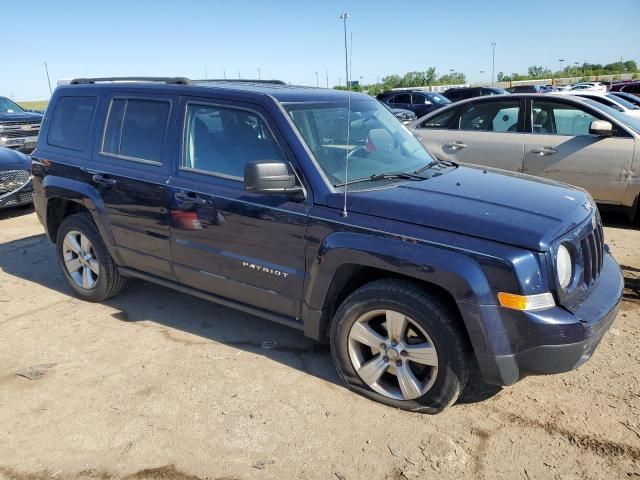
(269, 176)
(601, 128)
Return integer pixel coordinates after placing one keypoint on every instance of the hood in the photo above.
(13, 160)
(19, 116)
(492, 204)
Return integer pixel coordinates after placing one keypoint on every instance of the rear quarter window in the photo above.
(71, 122)
(136, 129)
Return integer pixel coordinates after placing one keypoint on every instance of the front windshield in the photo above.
(625, 103)
(378, 143)
(7, 106)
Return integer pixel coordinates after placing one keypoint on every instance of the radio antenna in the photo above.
(346, 159)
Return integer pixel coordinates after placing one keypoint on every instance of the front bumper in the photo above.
(20, 196)
(22, 144)
(549, 341)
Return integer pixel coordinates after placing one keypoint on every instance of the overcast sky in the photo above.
(293, 40)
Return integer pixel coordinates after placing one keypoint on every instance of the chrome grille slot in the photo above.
(592, 248)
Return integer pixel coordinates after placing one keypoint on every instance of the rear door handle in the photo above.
(102, 180)
(190, 198)
(544, 151)
(456, 145)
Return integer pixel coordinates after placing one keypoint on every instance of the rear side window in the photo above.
(136, 129)
(221, 140)
(71, 122)
(402, 98)
(491, 116)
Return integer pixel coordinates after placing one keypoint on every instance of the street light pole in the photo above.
(326, 75)
(46, 68)
(317, 81)
(481, 77)
(493, 64)
(258, 74)
(344, 17)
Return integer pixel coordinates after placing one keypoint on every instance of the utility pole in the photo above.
(326, 74)
(224, 74)
(621, 65)
(205, 73)
(481, 77)
(351, 57)
(259, 74)
(344, 17)
(317, 81)
(493, 64)
(46, 69)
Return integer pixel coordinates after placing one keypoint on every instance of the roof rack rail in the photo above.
(168, 80)
(241, 80)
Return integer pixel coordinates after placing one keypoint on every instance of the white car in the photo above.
(608, 99)
(589, 87)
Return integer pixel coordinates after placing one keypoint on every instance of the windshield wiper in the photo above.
(382, 176)
(447, 163)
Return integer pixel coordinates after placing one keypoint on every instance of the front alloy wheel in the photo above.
(392, 354)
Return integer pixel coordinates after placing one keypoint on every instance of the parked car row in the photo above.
(576, 139)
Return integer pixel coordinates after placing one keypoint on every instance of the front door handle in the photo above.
(190, 198)
(102, 180)
(544, 151)
(456, 145)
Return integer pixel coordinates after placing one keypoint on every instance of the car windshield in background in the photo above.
(623, 102)
(439, 99)
(498, 91)
(377, 142)
(628, 120)
(7, 106)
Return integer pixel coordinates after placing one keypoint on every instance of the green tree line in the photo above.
(430, 77)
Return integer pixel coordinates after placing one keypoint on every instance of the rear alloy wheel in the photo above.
(397, 343)
(85, 260)
(81, 260)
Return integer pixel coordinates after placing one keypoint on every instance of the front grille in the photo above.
(592, 247)
(20, 198)
(11, 180)
(23, 129)
(20, 122)
(18, 133)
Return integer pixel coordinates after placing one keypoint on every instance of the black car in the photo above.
(15, 178)
(419, 102)
(18, 128)
(405, 116)
(317, 209)
(528, 89)
(462, 93)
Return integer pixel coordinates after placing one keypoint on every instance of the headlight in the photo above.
(564, 266)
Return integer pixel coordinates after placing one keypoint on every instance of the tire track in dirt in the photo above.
(166, 472)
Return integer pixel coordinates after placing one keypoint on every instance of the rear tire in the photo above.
(85, 260)
(400, 345)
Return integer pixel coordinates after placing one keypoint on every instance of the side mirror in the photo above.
(269, 176)
(601, 128)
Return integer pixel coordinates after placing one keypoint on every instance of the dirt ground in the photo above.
(158, 384)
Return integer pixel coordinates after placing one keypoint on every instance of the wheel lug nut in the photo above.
(386, 359)
(404, 353)
(383, 346)
(398, 363)
(394, 343)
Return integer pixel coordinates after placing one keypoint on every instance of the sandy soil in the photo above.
(157, 384)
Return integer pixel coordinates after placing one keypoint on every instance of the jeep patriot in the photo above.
(317, 209)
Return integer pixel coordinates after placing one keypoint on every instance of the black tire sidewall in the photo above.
(84, 225)
(436, 322)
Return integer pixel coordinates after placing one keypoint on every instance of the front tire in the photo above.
(400, 345)
(85, 260)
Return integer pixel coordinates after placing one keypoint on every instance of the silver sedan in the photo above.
(565, 138)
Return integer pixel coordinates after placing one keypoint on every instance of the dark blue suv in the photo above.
(319, 210)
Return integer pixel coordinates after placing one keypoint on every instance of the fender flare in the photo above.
(447, 267)
(83, 194)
